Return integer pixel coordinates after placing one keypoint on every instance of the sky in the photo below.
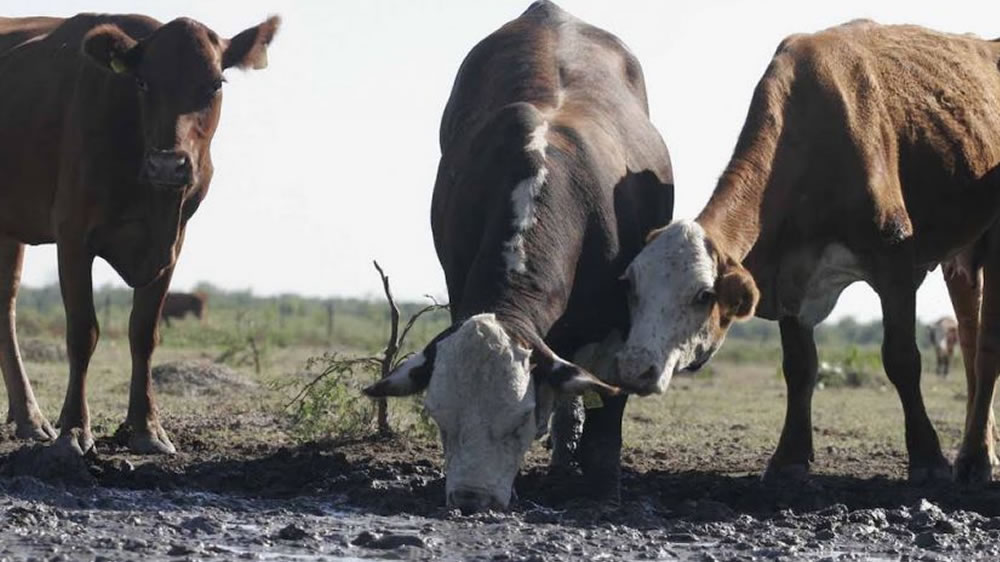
(326, 160)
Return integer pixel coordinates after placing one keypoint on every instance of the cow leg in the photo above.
(799, 366)
(81, 338)
(567, 426)
(967, 299)
(901, 359)
(22, 407)
(600, 451)
(974, 462)
(147, 436)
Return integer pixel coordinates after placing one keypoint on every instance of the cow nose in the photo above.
(168, 168)
(470, 501)
(649, 375)
(633, 377)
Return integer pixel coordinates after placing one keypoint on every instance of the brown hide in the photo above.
(869, 153)
(105, 129)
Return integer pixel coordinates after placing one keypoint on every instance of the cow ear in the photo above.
(566, 377)
(249, 48)
(410, 377)
(737, 292)
(111, 48)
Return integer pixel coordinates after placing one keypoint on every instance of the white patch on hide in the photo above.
(482, 398)
(524, 202)
(667, 327)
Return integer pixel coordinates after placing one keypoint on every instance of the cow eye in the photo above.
(704, 297)
(212, 89)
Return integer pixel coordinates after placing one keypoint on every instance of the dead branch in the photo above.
(391, 349)
(413, 320)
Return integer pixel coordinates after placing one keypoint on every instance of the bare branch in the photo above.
(413, 320)
(391, 349)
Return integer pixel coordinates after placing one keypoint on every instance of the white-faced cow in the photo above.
(870, 153)
(943, 336)
(550, 178)
(105, 128)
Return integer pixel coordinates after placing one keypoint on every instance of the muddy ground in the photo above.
(243, 487)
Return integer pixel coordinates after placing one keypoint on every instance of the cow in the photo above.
(105, 128)
(869, 153)
(550, 177)
(943, 336)
(178, 305)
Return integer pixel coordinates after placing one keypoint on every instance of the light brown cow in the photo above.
(943, 336)
(870, 153)
(105, 128)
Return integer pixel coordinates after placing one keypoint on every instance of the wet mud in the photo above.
(383, 499)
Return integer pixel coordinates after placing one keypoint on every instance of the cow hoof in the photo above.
(151, 442)
(929, 474)
(74, 442)
(36, 428)
(973, 468)
(794, 472)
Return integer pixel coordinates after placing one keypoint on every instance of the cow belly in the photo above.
(837, 268)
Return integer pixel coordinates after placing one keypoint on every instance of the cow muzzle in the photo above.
(638, 372)
(473, 501)
(167, 169)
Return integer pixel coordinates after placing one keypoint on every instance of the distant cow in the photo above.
(943, 335)
(551, 175)
(179, 305)
(869, 153)
(105, 128)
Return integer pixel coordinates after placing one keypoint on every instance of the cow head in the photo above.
(490, 393)
(683, 296)
(176, 75)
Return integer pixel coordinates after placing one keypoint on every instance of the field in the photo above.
(260, 476)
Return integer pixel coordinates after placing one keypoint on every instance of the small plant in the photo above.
(853, 367)
(333, 398)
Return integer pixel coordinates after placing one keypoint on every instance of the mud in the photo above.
(384, 499)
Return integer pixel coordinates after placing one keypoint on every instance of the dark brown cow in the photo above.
(105, 127)
(870, 153)
(551, 175)
(179, 305)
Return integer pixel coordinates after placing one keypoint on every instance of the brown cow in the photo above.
(179, 305)
(105, 127)
(870, 153)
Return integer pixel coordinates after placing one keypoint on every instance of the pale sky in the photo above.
(326, 159)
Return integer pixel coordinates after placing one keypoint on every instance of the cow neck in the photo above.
(523, 311)
(732, 216)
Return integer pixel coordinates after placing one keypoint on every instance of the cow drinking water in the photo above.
(106, 123)
(551, 176)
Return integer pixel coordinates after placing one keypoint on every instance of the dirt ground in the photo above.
(242, 487)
